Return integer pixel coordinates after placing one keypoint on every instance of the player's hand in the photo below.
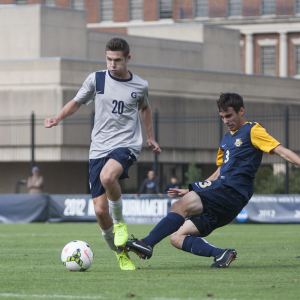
(177, 192)
(49, 122)
(154, 145)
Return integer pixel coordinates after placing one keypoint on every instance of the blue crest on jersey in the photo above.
(133, 95)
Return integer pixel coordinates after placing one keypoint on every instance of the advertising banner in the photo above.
(271, 209)
(23, 208)
(145, 209)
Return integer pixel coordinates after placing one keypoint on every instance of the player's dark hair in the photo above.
(118, 44)
(230, 99)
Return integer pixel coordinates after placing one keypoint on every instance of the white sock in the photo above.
(108, 236)
(116, 210)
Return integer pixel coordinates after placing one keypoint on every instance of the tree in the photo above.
(267, 183)
(193, 174)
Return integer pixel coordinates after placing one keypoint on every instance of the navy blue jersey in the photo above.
(240, 155)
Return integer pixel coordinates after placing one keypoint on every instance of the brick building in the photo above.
(270, 29)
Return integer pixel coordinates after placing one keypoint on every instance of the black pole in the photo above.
(220, 129)
(156, 139)
(287, 146)
(32, 140)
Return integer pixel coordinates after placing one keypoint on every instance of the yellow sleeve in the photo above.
(220, 157)
(262, 140)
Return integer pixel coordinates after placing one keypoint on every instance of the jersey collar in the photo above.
(233, 132)
(121, 80)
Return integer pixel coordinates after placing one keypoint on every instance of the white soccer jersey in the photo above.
(117, 101)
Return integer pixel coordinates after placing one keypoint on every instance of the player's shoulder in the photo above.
(94, 74)
(255, 126)
(138, 79)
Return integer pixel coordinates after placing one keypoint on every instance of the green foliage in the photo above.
(267, 183)
(266, 267)
(193, 174)
(294, 182)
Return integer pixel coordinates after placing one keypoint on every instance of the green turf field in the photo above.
(266, 267)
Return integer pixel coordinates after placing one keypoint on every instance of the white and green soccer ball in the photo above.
(77, 256)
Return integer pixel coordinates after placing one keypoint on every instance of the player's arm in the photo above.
(146, 118)
(69, 109)
(287, 155)
(215, 175)
(181, 192)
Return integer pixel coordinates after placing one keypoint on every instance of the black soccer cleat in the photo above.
(224, 259)
(139, 248)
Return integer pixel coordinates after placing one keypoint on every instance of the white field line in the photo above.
(99, 297)
(51, 296)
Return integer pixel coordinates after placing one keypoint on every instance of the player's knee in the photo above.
(101, 211)
(176, 207)
(175, 240)
(107, 180)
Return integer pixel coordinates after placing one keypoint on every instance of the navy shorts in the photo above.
(221, 204)
(122, 155)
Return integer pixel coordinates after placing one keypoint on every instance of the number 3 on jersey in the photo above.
(204, 184)
(118, 107)
(226, 156)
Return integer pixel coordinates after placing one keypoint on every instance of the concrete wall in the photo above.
(221, 49)
(187, 33)
(173, 91)
(150, 51)
(33, 31)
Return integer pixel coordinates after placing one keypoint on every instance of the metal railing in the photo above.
(203, 131)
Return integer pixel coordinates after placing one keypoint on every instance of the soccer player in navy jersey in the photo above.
(121, 101)
(215, 202)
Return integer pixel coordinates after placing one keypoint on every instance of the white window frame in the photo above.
(136, 6)
(296, 42)
(77, 4)
(230, 4)
(297, 7)
(109, 8)
(201, 9)
(263, 7)
(262, 61)
(20, 2)
(49, 2)
(163, 9)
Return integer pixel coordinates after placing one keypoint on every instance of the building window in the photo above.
(234, 7)
(106, 10)
(136, 10)
(297, 59)
(201, 8)
(297, 6)
(20, 2)
(268, 7)
(77, 4)
(165, 9)
(49, 2)
(268, 60)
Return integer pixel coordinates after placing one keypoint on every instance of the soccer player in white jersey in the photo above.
(121, 100)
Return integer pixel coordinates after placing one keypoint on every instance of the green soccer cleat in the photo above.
(125, 262)
(121, 234)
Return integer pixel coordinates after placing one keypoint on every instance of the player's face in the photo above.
(233, 120)
(117, 64)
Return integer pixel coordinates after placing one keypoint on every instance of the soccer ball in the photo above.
(77, 256)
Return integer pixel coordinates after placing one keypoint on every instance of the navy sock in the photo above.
(199, 246)
(168, 225)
